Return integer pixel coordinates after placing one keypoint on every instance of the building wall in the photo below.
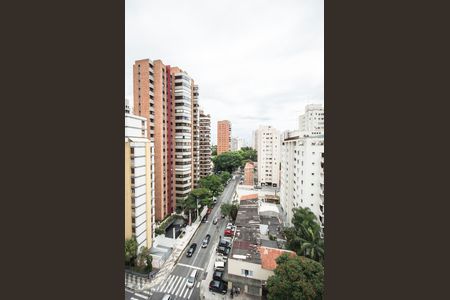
(128, 220)
(302, 175)
(313, 119)
(249, 174)
(223, 136)
(205, 144)
(269, 147)
(251, 284)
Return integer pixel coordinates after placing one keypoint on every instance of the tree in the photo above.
(131, 247)
(214, 150)
(227, 161)
(312, 246)
(203, 195)
(296, 278)
(248, 153)
(224, 176)
(304, 237)
(144, 260)
(212, 183)
(229, 210)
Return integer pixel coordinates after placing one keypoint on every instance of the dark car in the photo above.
(217, 275)
(206, 241)
(224, 250)
(218, 286)
(204, 219)
(224, 243)
(191, 250)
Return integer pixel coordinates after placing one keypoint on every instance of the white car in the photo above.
(191, 279)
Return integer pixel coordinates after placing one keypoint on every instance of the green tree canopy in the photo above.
(248, 153)
(227, 161)
(296, 278)
(304, 237)
(131, 247)
(224, 176)
(212, 183)
(229, 210)
(144, 260)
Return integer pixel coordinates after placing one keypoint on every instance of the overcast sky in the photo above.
(256, 62)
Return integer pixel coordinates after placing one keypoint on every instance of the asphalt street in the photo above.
(175, 284)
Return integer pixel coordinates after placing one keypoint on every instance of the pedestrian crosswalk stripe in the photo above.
(190, 294)
(177, 282)
(174, 279)
(185, 293)
(198, 284)
(182, 286)
(164, 284)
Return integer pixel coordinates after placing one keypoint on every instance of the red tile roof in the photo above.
(269, 255)
(249, 197)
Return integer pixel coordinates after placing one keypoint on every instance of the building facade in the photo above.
(168, 98)
(139, 182)
(255, 139)
(223, 136)
(302, 175)
(269, 147)
(313, 120)
(249, 174)
(205, 144)
(237, 143)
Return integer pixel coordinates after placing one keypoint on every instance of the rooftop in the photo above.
(253, 231)
(269, 255)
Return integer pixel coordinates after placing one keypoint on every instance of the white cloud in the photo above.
(256, 62)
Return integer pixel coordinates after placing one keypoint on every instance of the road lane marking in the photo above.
(189, 266)
(163, 284)
(142, 296)
(198, 284)
(169, 282)
(187, 290)
(175, 286)
(174, 279)
(190, 294)
(182, 286)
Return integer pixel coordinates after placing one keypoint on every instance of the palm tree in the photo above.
(303, 219)
(312, 245)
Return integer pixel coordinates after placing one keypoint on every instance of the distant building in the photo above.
(253, 253)
(302, 175)
(255, 139)
(313, 119)
(249, 174)
(268, 156)
(205, 144)
(139, 182)
(127, 106)
(237, 143)
(223, 136)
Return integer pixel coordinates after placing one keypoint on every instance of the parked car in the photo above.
(224, 243)
(206, 241)
(167, 297)
(217, 275)
(215, 220)
(191, 279)
(228, 232)
(221, 258)
(219, 265)
(191, 250)
(218, 286)
(224, 250)
(205, 218)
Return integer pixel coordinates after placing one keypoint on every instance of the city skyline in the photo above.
(242, 80)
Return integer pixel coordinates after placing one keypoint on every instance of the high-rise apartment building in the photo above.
(255, 139)
(313, 119)
(269, 145)
(223, 136)
(168, 98)
(127, 106)
(237, 143)
(302, 174)
(205, 144)
(139, 182)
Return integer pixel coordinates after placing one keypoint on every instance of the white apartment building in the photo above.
(255, 139)
(205, 144)
(127, 106)
(302, 174)
(313, 120)
(184, 135)
(237, 143)
(269, 147)
(139, 182)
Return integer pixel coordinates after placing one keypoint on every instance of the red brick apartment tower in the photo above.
(223, 136)
(150, 101)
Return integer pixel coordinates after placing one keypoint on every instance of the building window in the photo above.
(246, 273)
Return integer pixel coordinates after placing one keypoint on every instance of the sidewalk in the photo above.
(178, 248)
